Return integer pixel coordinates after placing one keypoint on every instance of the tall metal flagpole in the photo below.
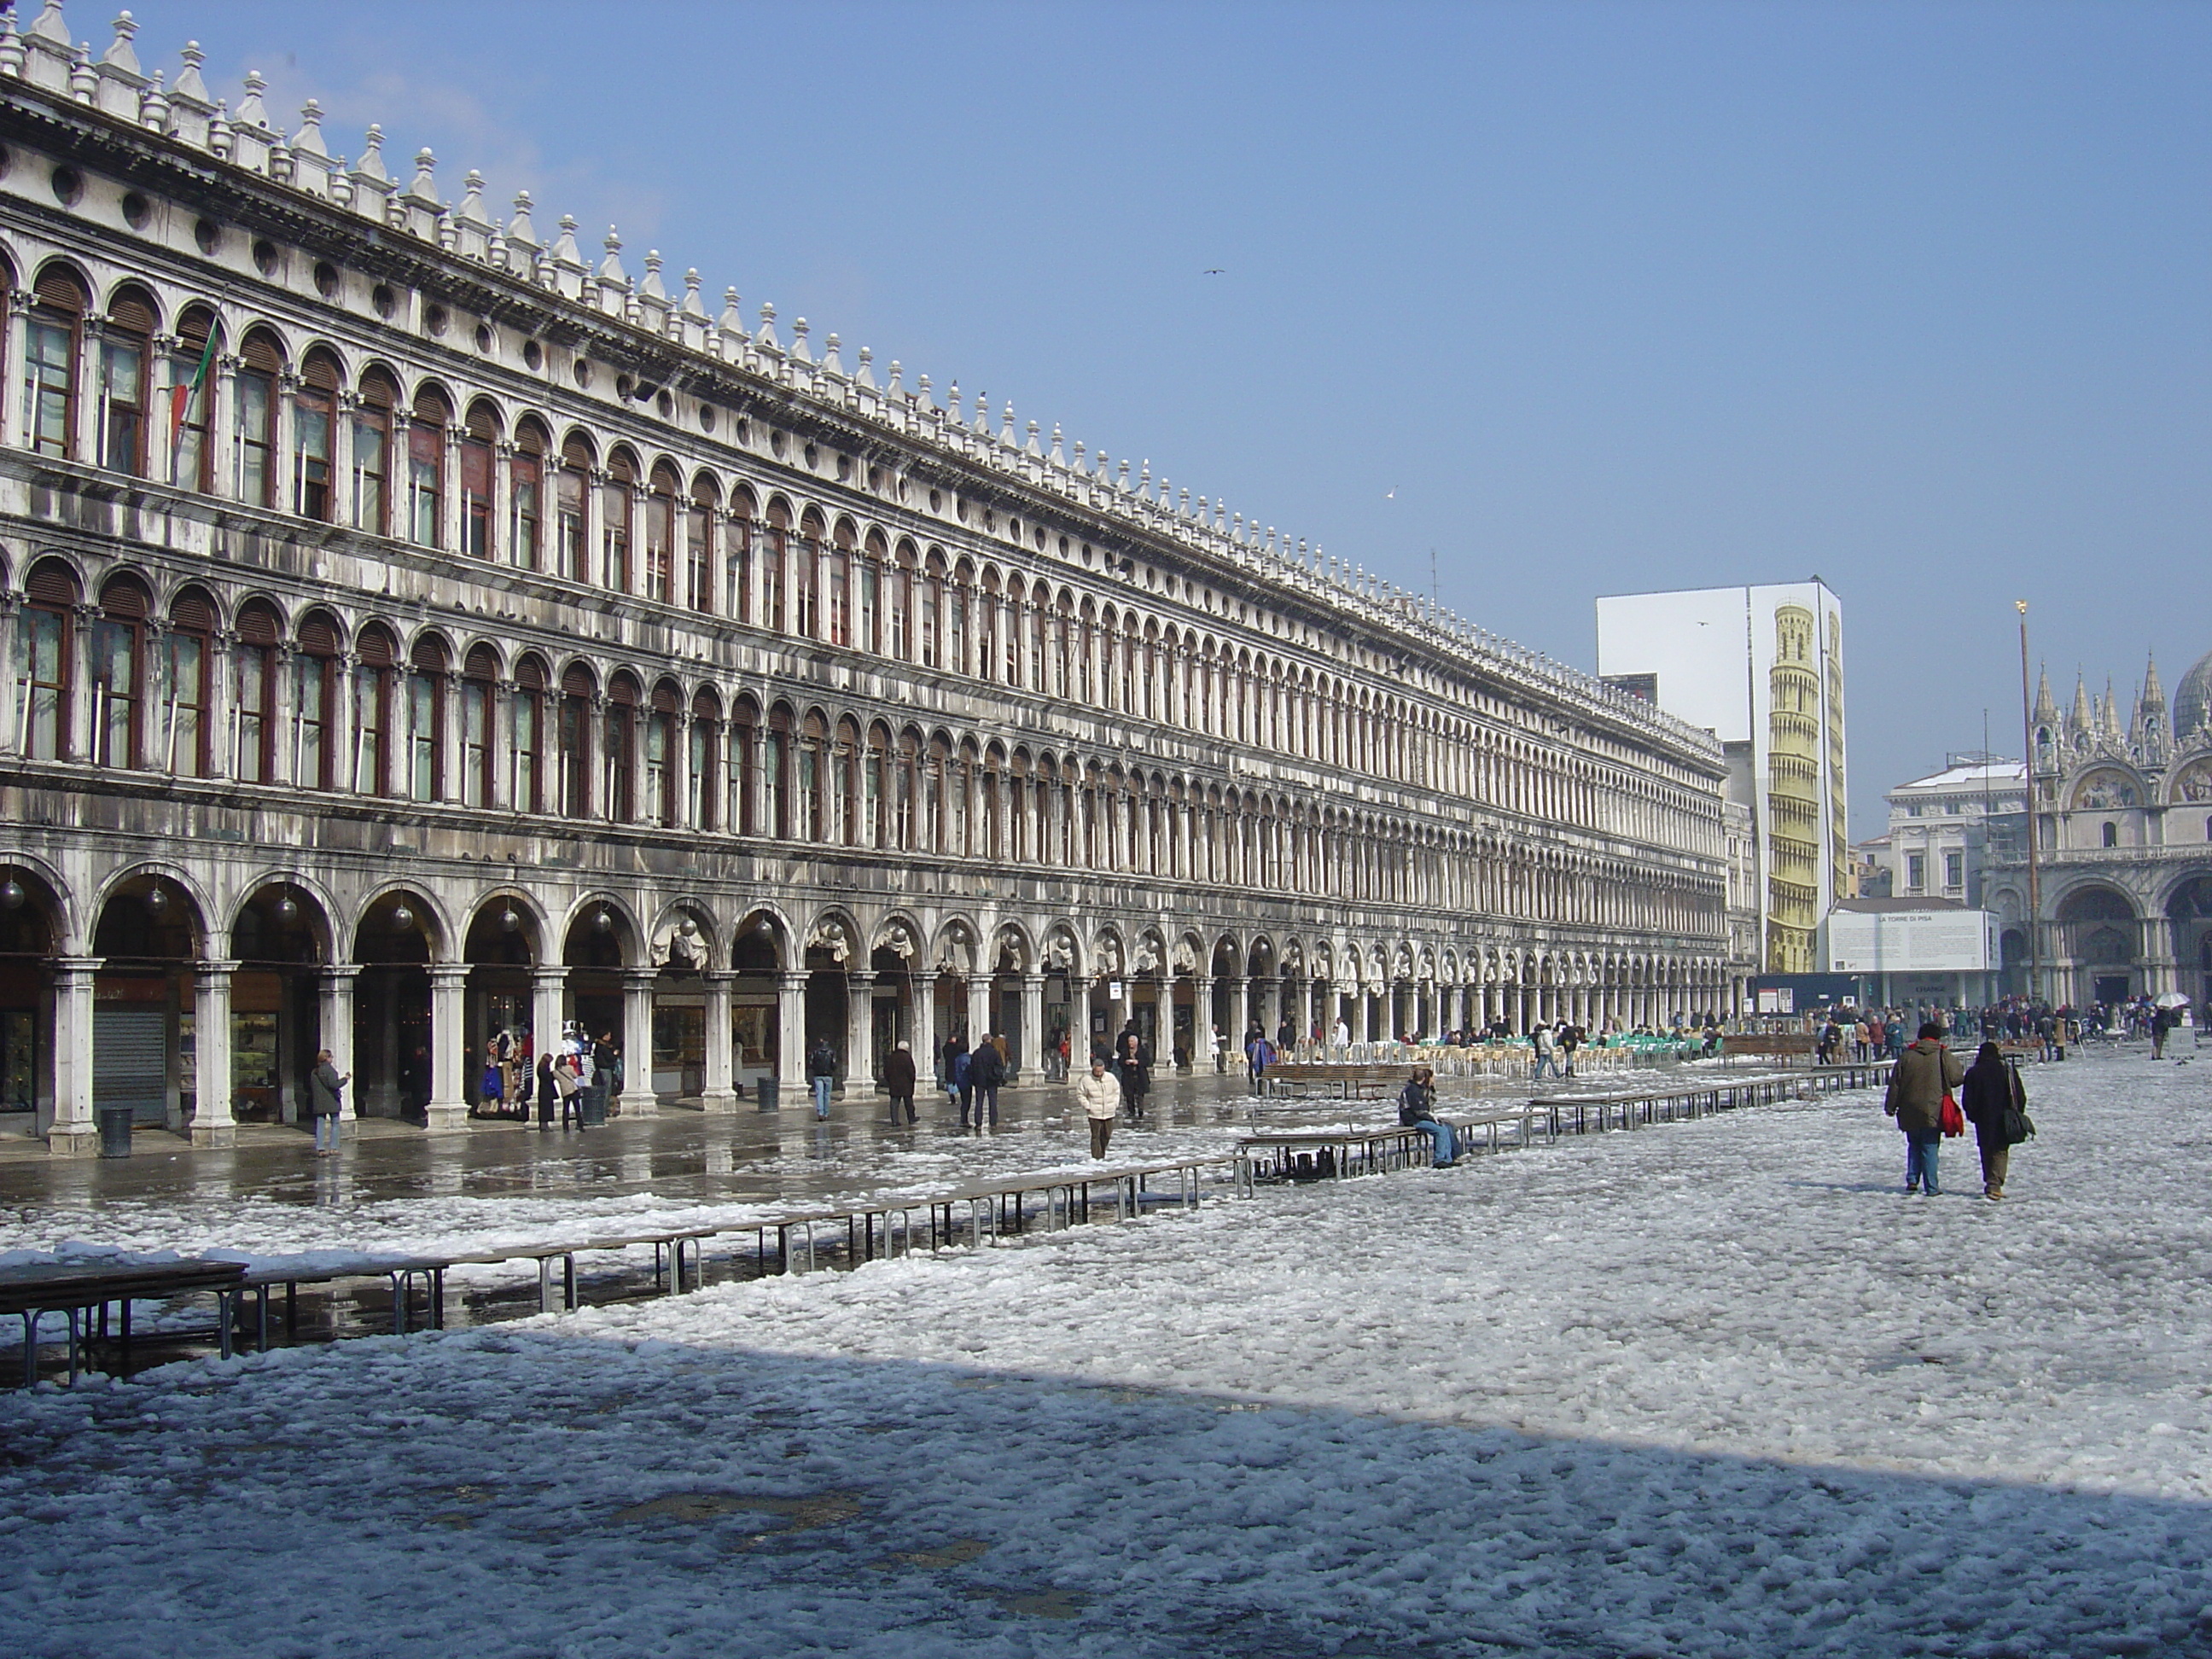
(2028, 777)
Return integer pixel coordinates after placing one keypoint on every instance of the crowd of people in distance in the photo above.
(1849, 1034)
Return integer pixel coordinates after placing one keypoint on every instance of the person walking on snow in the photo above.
(1992, 1089)
(1101, 1096)
(1134, 1069)
(1926, 1072)
(822, 1074)
(1545, 1054)
(323, 1105)
(1259, 1055)
(987, 1073)
(899, 1080)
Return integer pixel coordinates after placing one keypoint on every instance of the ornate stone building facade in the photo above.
(417, 632)
(2124, 832)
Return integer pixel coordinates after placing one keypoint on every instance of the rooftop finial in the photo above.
(372, 159)
(520, 232)
(423, 187)
(120, 54)
(611, 268)
(251, 113)
(308, 140)
(189, 87)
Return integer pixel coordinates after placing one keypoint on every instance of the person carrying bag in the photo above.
(1922, 1081)
(1996, 1105)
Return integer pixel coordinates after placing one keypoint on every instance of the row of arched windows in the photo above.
(303, 435)
(320, 706)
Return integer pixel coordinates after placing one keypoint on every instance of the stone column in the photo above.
(212, 1122)
(11, 690)
(221, 740)
(73, 1133)
(548, 995)
(75, 739)
(283, 740)
(927, 1039)
(679, 764)
(979, 1008)
(860, 1033)
(338, 1029)
(719, 1093)
(791, 1032)
(499, 740)
(448, 1106)
(1203, 1048)
(1028, 1047)
(637, 1098)
(13, 424)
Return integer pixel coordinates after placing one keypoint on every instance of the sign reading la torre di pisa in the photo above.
(422, 635)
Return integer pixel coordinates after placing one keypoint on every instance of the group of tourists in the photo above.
(1933, 1094)
(577, 1077)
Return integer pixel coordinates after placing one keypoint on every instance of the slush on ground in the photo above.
(1713, 1387)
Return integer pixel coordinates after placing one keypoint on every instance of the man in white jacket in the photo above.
(1101, 1096)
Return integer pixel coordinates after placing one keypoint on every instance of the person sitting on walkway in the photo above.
(986, 1071)
(899, 1080)
(1417, 1110)
(1101, 1094)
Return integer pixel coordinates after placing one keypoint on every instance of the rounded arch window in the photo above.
(126, 354)
(314, 421)
(53, 335)
(254, 393)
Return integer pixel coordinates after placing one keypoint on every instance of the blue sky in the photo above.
(1613, 296)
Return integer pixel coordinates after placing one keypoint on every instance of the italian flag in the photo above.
(182, 399)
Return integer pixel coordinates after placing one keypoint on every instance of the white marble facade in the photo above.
(417, 630)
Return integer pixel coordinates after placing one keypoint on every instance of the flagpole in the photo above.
(2028, 777)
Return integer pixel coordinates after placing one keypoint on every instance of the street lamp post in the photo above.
(2027, 778)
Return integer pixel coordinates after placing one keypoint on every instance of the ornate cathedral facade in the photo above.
(2124, 839)
(419, 634)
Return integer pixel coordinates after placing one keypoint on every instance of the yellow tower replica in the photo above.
(1793, 794)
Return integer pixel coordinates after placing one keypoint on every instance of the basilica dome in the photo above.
(2192, 698)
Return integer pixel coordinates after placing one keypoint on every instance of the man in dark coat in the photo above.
(1133, 1066)
(1992, 1089)
(1925, 1072)
(987, 1070)
(324, 1087)
(822, 1074)
(899, 1080)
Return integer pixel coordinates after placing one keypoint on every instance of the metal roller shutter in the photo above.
(130, 1060)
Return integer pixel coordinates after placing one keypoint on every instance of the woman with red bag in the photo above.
(1920, 1087)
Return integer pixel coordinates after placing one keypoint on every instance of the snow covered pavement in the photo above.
(1709, 1388)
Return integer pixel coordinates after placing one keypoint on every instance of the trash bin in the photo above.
(767, 1087)
(593, 1112)
(115, 1131)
